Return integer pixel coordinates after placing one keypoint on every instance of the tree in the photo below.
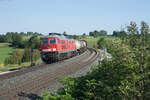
(34, 42)
(35, 55)
(27, 55)
(75, 37)
(9, 36)
(144, 28)
(29, 33)
(3, 38)
(36, 33)
(83, 35)
(22, 33)
(17, 40)
(16, 58)
(64, 33)
(98, 33)
(103, 32)
(119, 33)
(139, 42)
(132, 29)
(94, 34)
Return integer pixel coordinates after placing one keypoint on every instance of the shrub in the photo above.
(35, 55)
(16, 58)
(27, 55)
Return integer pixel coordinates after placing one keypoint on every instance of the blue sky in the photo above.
(72, 16)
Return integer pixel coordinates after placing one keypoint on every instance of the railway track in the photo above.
(47, 78)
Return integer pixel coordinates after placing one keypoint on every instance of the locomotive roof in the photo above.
(62, 37)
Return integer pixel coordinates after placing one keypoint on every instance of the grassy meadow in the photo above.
(5, 51)
(91, 42)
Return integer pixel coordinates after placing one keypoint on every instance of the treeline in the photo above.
(125, 77)
(129, 31)
(97, 33)
(21, 40)
(120, 33)
(9, 36)
(94, 33)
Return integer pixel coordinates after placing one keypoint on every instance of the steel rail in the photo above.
(48, 78)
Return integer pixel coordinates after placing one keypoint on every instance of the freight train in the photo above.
(57, 47)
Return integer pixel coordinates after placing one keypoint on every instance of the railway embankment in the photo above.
(34, 80)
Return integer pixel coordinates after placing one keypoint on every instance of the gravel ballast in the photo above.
(14, 81)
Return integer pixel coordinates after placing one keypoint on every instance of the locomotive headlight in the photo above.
(54, 49)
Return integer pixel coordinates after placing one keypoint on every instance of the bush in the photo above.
(35, 55)
(17, 41)
(16, 58)
(6, 61)
(20, 56)
(27, 55)
(34, 42)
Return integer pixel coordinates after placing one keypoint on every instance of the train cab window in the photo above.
(57, 41)
(44, 41)
(52, 41)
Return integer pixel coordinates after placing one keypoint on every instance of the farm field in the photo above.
(5, 51)
(93, 41)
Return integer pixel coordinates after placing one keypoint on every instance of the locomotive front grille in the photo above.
(50, 54)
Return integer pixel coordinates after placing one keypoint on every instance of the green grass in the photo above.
(93, 41)
(90, 41)
(5, 51)
(15, 66)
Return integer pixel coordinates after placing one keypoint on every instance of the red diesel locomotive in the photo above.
(56, 47)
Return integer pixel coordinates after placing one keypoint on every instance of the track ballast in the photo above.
(44, 75)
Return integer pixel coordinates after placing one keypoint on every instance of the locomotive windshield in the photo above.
(52, 41)
(44, 41)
